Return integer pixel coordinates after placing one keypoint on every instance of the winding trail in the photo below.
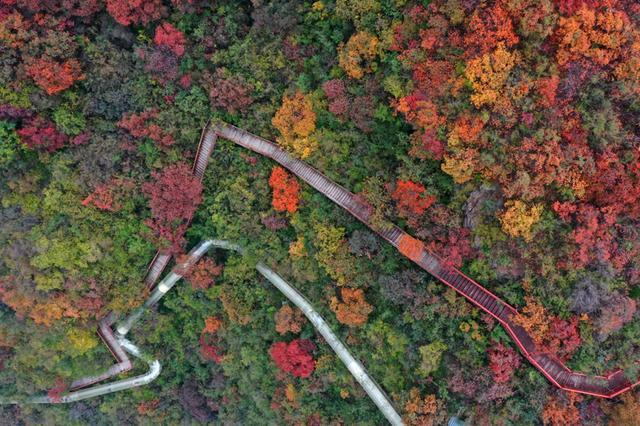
(118, 343)
(547, 363)
(91, 392)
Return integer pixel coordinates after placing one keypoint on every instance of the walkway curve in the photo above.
(354, 366)
(551, 367)
(547, 363)
(92, 392)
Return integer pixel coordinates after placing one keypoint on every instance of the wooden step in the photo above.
(459, 280)
(473, 292)
(454, 281)
(466, 286)
(487, 301)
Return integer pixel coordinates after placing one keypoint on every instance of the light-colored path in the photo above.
(353, 365)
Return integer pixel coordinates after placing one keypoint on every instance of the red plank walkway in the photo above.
(552, 368)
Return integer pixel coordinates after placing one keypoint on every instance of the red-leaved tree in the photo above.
(503, 362)
(336, 92)
(141, 125)
(169, 36)
(128, 12)
(108, 196)
(294, 357)
(209, 351)
(173, 197)
(101, 198)
(564, 337)
(230, 92)
(42, 135)
(56, 392)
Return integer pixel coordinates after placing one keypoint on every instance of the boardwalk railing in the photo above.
(123, 365)
(99, 390)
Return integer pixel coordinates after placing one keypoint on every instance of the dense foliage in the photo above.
(501, 134)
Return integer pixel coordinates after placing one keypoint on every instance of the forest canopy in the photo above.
(503, 135)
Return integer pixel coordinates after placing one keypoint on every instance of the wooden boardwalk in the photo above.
(547, 363)
(550, 366)
(123, 365)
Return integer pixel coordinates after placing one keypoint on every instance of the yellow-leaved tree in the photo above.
(296, 121)
(518, 218)
(81, 340)
(460, 166)
(488, 75)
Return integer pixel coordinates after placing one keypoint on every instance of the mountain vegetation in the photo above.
(503, 135)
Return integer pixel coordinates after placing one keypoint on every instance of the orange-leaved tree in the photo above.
(534, 319)
(488, 75)
(289, 319)
(286, 190)
(203, 274)
(212, 325)
(353, 310)
(420, 411)
(356, 57)
(625, 413)
(560, 411)
(411, 247)
(600, 36)
(210, 340)
(411, 198)
(488, 27)
(53, 76)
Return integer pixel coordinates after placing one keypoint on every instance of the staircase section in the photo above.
(123, 362)
(157, 265)
(205, 148)
(206, 145)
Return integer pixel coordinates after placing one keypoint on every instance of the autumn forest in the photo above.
(502, 136)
